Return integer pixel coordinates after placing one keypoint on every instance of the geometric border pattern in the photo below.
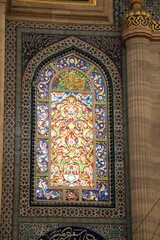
(99, 66)
(153, 6)
(28, 76)
(16, 150)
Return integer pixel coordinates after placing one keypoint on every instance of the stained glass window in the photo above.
(71, 140)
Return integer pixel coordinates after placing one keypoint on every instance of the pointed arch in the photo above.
(109, 73)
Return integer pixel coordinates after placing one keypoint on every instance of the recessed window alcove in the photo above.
(72, 131)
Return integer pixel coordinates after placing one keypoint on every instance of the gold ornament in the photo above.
(72, 80)
(139, 18)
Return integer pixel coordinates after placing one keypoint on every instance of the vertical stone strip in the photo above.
(139, 34)
(2, 53)
(139, 121)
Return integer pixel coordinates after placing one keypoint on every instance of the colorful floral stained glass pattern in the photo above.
(72, 195)
(99, 86)
(43, 193)
(101, 159)
(43, 82)
(42, 118)
(101, 126)
(100, 194)
(72, 61)
(42, 155)
(71, 133)
(71, 140)
(72, 80)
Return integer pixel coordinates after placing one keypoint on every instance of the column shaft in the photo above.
(139, 120)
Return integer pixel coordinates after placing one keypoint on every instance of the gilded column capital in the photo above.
(138, 18)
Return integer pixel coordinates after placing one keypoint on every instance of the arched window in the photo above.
(71, 138)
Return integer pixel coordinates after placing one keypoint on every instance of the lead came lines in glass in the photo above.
(73, 86)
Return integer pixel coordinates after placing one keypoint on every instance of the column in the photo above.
(139, 34)
(139, 127)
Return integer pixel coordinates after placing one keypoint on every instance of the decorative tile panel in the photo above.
(19, 208)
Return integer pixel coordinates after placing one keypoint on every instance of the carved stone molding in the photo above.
(99, 12)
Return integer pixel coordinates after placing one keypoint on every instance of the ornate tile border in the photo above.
(16, 152)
